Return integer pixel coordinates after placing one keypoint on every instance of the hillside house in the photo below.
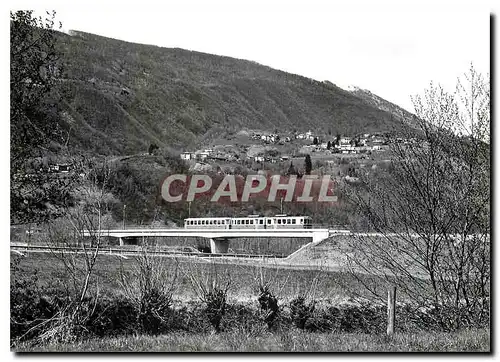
(258, 159)
(202, 155)
(345, 141)
(187, 156)
(60, 167)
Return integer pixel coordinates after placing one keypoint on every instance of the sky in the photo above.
(392, 48)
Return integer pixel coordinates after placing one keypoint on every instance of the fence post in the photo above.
(391, 310)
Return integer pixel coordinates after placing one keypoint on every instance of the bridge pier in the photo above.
(219, 246)
(130, 240)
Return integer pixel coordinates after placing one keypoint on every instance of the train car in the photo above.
(250, 222)
(288, 222)
(207, 223)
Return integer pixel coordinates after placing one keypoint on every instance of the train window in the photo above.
(261, 221)
(268, 221)
(247, 222)
(279, 221)
(288, 221)
(294, 221)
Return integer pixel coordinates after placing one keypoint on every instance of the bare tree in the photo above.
(431, 207)
(79, 254)
(211, 287)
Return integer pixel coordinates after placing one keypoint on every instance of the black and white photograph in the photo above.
(250, 176)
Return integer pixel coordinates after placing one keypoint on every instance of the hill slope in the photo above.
(120, 97)
(399, 113)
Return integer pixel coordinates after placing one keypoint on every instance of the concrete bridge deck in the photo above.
(219, 238)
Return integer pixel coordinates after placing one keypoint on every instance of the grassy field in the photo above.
(294, 341)
(50, 271)
(247, 331)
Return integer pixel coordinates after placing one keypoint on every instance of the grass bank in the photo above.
(475, 340)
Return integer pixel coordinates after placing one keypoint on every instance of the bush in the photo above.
(212, 290)
(268, 305)
(301, 311)
(113, 316)
(150, 293)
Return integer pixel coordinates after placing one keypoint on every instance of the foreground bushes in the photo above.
(114, 316)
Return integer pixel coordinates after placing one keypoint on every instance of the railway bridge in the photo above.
(219, 238)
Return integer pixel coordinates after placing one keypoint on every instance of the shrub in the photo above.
(268, 305)
(301, 311)
(150, 291)
(212, 290)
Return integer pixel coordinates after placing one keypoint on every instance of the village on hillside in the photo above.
(338, 155)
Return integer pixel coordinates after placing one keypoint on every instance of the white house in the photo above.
(187, 156)
(202, 155)
(345, 141)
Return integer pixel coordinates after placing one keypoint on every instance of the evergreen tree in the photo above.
(308, 165)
